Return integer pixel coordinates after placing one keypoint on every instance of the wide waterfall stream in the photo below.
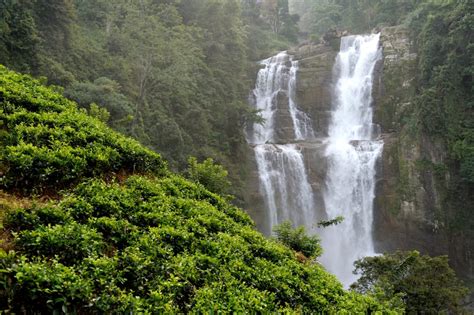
(351, 151)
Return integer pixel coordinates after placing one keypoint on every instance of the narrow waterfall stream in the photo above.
(351, 152)
(282, 173)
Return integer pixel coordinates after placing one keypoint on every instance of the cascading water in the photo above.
(278, 75)
(282, 173)
(352, 153)
(284, 183)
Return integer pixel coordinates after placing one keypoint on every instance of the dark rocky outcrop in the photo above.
(314, 81)
(285, 132)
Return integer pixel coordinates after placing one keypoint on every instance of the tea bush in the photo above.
(155, 246)
(47, 143)
(298, 240)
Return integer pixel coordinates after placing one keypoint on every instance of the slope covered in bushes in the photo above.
(162, 245)
(46, 142)
(147, 243)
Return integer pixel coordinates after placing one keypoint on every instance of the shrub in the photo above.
(46, 287)
(70, 243)
(51, 144)
(30, 218)
(298, 240)
(210, 175)
(425, 284)
(157, 246)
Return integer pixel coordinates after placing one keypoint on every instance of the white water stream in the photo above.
(282, 173)
(352, 153)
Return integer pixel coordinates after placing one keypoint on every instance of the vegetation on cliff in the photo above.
(116, 242)
(444, 108)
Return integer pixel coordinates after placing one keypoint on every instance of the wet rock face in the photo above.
(410, 212)
(406, 196)
(394, 84)
(316, 166)
(397, 187)
(253, 198)
(285, 131)
(314, 84)
(402, 215)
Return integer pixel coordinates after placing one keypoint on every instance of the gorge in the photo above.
(137, 174)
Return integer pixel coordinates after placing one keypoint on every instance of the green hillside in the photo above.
(47, 143)
(111, 230)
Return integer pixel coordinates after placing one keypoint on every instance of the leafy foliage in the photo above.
(102, 92)
(212, 176)
(18, 35)
(445, 104)
(357, 16)
(164, 245)
(99, 112)
(48, 143)
(298, 240)
(425, 284)
(442, 31)
(277, 15)
(326, 223)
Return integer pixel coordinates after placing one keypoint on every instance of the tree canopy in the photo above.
(425, 284)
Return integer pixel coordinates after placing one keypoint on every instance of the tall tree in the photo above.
(54, 19)
(427, 285)
(18, 35)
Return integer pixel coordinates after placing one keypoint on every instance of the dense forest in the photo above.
(113, 114)
(172, 74)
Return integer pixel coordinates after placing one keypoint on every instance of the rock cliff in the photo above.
(410, 206)
(411, 211)
(313, 94)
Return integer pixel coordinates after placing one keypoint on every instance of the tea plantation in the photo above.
(93, 222)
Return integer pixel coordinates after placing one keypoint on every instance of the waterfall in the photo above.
(282, 173)
(352, 152)
(284, 184)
